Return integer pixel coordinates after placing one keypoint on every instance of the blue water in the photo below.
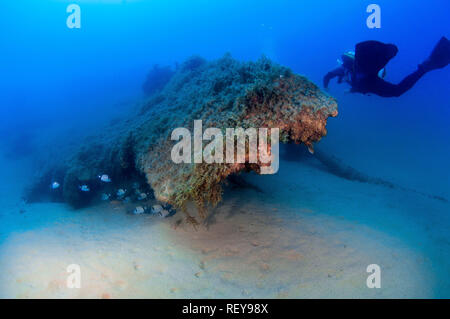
(54, 78)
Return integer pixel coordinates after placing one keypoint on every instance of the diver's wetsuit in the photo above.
(372, 56)
(378, 86)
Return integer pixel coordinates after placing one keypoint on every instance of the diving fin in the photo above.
(372, 56)
(440, 57)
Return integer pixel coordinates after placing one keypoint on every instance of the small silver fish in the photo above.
(84, 188)
(142, 196)
(164, 213)
(139, 210)
(121, 192)
(105, 196)
(156, 209)
(105, 178)
(55, 185)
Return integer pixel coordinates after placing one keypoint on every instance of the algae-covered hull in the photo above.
(224, 93)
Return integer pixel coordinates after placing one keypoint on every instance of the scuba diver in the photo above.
(364, 69)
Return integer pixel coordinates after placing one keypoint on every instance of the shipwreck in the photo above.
(225, 93)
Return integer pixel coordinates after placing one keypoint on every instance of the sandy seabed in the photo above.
(308, 235)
